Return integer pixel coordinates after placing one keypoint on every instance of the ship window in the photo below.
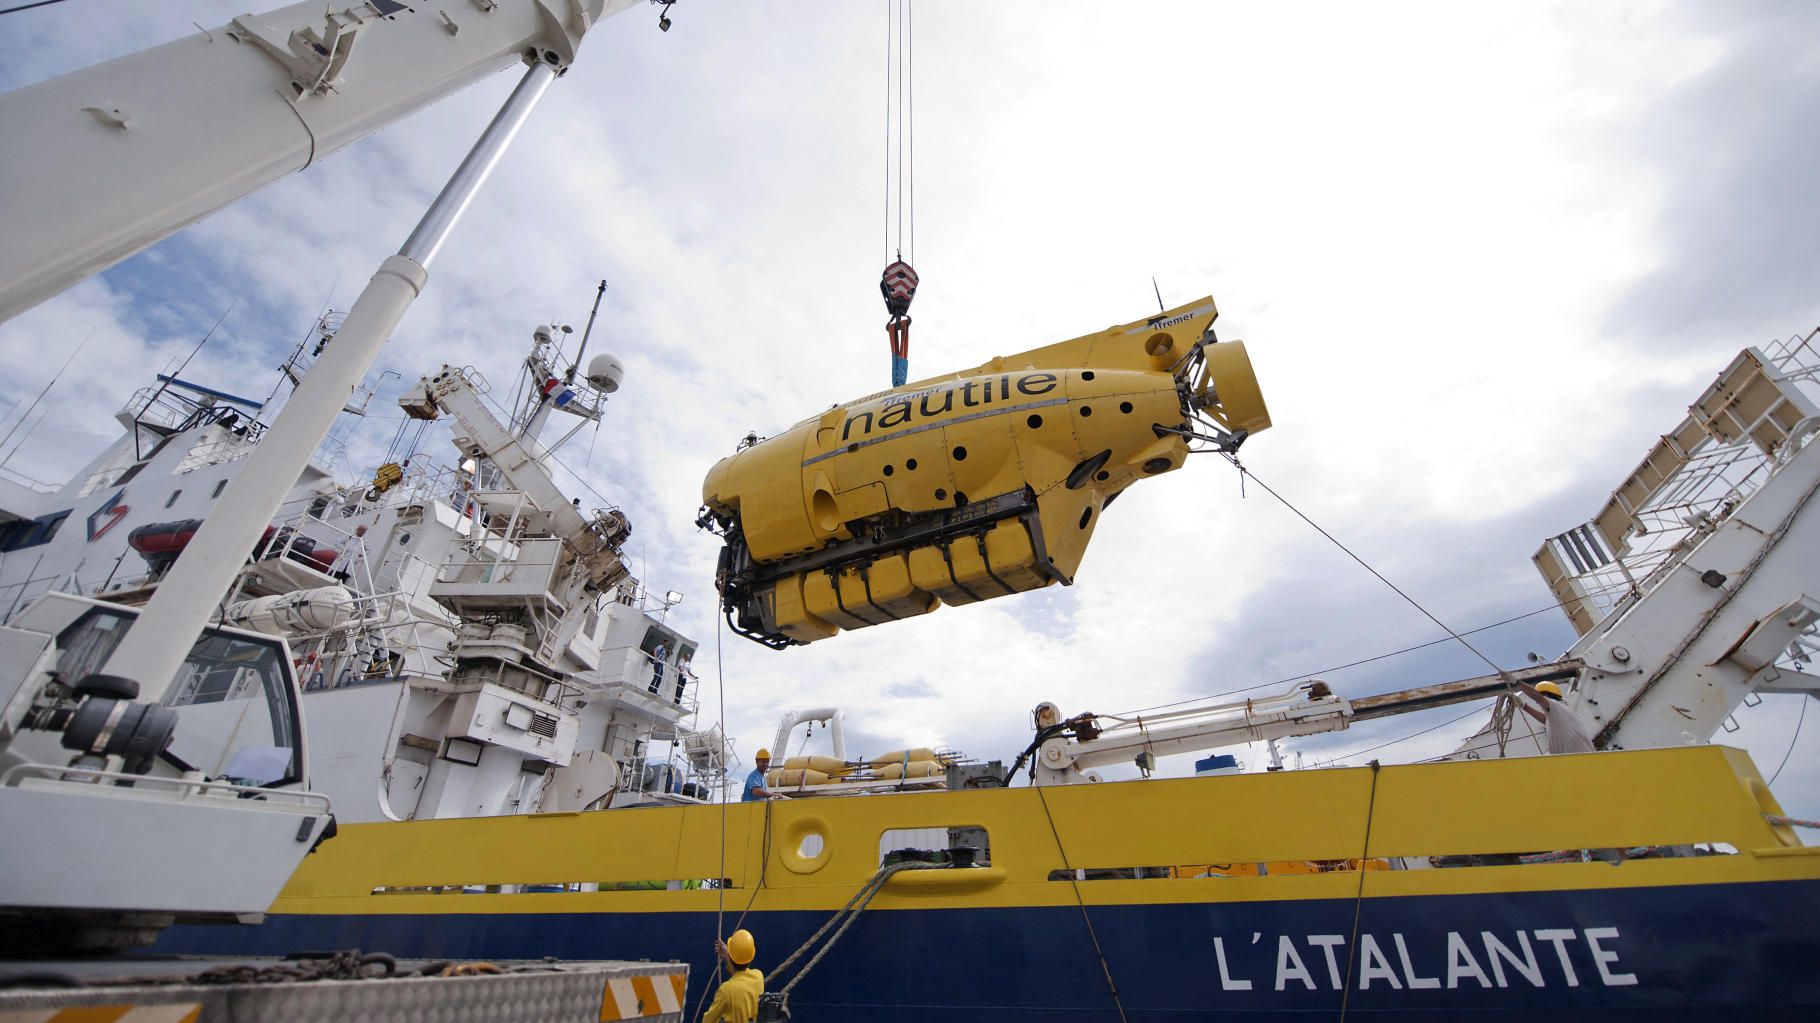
(175, 494)
(318, 505)
(31, 532)
(959, 845)
(1285, 868)
(216, 732)
(686, 884)
(219, 487)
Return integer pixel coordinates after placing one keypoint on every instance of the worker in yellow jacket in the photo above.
(737, 999)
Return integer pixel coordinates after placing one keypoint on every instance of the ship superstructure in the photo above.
(457, 655)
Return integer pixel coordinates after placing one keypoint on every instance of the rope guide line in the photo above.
(1074, 883)
(1243, 472)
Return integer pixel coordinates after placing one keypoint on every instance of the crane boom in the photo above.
(103, 162)
(594, 541)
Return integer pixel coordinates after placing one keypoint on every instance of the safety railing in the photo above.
(277, 799)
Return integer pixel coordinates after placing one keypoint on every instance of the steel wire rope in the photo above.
(887, 124)
(1791, 741)
(909, 37)
(1358, 899)
(27, 7)
(1074, 883)
(900, 125)
(1376, 657)
(1244, 472)
(1412, 735)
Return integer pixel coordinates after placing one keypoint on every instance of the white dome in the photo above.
(605, 372)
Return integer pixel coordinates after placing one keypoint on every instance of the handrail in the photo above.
(274, 798)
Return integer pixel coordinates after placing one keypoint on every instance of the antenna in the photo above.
(569, 377)
(1160, 307)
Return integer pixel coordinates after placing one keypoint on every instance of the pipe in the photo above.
(833, 716)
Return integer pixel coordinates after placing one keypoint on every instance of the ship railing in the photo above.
(1686, 488)
(21, 776)
(668, 772)
(378, 644)
(619, 669)
(102, 479)
(160, 406)
(20, 594)
(32, 483)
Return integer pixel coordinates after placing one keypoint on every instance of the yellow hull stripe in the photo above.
(1681, 796)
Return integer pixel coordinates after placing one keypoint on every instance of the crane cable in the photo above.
(898, 283)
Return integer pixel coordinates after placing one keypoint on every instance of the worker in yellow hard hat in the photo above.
(1565, 732)
(755, 782)
(737, 999)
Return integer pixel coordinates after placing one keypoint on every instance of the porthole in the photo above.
(1087, 374)
(910, 464)
(888, 470)
(960, 453)
(1086, 517)
(1086, 410)
(1125, 407)
(1156, 465)
(1035, 421)
(941, 494)
(805, 845)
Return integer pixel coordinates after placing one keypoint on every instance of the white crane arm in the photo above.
(102, 162)
(1308, 709)
(594, 540)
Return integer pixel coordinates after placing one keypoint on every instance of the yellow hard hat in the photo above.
(762, 754)
(741, 948)
(1549, 689)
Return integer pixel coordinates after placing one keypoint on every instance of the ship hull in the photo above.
(1713, 912)
(1692, 952)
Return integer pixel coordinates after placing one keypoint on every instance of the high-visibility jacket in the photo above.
(737, 999)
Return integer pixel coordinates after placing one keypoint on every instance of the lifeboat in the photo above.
(160, 542)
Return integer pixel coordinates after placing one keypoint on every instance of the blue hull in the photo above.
(1719, 951)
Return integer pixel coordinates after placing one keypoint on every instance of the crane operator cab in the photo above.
(969, 486)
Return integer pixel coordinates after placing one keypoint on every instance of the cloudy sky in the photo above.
(1482, 255)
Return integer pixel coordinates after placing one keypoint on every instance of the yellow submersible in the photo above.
(969, 486)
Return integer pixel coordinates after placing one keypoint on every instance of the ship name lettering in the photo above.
(976, 393)
(1404, 962)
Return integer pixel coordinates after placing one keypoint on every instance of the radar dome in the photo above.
(605, 372)
(544, 334)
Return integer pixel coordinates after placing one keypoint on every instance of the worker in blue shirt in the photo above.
(659, 654)
(755, 782)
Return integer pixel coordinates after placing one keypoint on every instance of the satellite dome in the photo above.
(544, 334)
(605, 372)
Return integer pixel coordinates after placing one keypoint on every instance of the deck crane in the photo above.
(99, 164)
(592, 562)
